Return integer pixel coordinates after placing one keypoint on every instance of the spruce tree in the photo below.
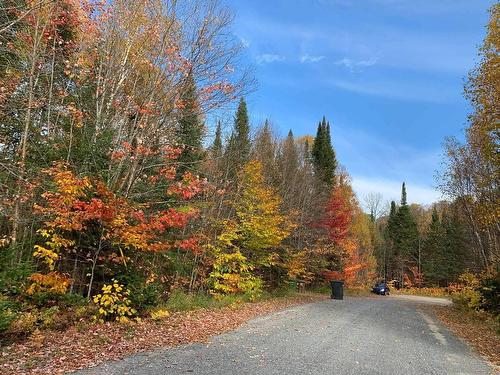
(405, 236)
(456, 244)
(265, 152)
(434, 262)
(323, 154)
(242, 132)
(216, 148)
(190, 129)
(289, 157)
(239, 145)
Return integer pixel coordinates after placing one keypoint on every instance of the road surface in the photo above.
(376, 335)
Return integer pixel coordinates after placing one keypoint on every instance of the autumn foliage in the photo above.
(110, 198)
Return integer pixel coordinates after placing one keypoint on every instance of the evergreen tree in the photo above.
(216, 148)
(456, 245)
(323, 154)
(434, 251)
(239, 145)
(289, 167)
(289, 157)
(265, 152)
(390, 238)
(405, 236)
(242, 131)
(190, 129)
(404, 198)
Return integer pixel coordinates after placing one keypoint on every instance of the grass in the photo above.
(181, 301)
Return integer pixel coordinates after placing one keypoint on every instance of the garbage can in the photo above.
(337, 289)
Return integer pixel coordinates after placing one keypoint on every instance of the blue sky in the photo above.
(388, 75)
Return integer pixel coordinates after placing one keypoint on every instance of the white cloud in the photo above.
(310, 59)
(353, 64)
(430, 92)
(391, 190)
(268, 58)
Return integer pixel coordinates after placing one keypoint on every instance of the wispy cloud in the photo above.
(352, 65)
(268, 58)
(411, 90)
(310, 59)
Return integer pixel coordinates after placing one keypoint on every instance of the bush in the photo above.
(13, 277)
(51, 318)
(25, 323)
(7, 315)
(113, 303)
(142, 294)
(466, 293)
(232, 275)
(490, 290)
(478, 292)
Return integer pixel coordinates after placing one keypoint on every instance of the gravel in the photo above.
(359, 335)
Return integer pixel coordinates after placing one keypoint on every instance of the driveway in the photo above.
(359, 335)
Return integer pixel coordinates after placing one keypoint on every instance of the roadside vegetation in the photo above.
(132, 182)
(134, 185)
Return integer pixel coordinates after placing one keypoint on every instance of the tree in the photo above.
(405, 236)
(239, 146)
(190, 131)
(434, 251)
(264, 151)
(258, 227)
(323, 154)
(472, 169)
(217, 148)
(373, 202)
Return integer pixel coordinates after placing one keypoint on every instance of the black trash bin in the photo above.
(337, 289)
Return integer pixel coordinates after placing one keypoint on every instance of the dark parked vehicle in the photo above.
(381, 288)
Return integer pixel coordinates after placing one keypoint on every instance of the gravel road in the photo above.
(370, 335)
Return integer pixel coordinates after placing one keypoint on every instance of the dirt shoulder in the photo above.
(52, 352)
(481, 331)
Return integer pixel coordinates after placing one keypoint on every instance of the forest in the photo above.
(122, 186)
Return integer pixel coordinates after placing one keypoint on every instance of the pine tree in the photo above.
(289, 167)
(190, 130)
(289, 158)
(265, 151)
(456, 244)
(239, 145)
(242, 131)
(323, 154)
(405, 236)
(216, 148)
(434, 260)
(404, 198)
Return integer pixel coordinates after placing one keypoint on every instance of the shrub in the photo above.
(113, 303)
(490, 290)
(466, 293)
(25, 323)
(7, 315)
(142, 293)
(13, 278)
(51, 318)
(232, 275)
(53, 282)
